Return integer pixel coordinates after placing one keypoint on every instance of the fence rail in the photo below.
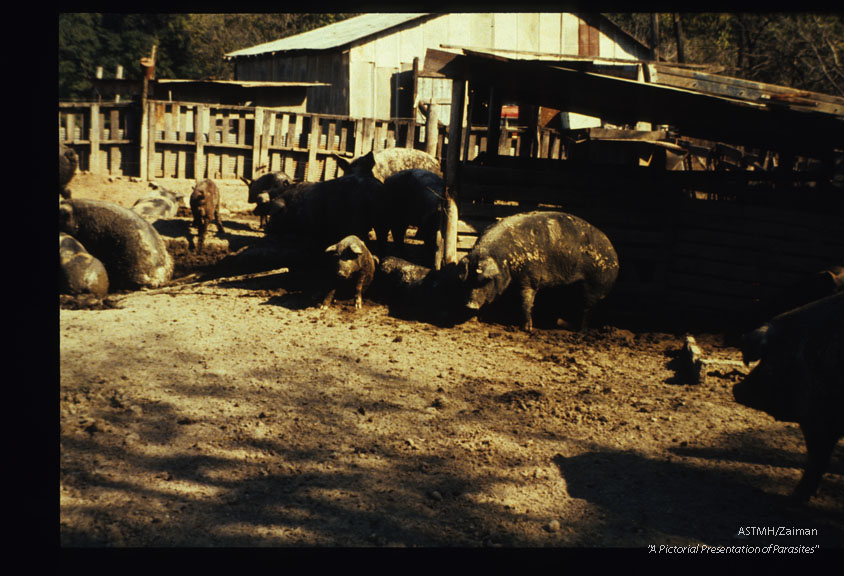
(193, 141)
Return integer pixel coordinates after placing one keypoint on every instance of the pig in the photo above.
(813, 287)
(420, 293)
(205, 207)
(159, 204)
(350, 261)
(415, 197)
(384, 163)
(320, 214)
(800, 378)
(68, 162)
(265, 189)
(539, 250)
(131, 250)
(79, 272)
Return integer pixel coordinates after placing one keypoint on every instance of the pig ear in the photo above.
(356, 248)
(246, 180)
(367, 163)
(342, 163)
(332, 248)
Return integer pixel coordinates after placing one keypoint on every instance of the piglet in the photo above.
(351, 261)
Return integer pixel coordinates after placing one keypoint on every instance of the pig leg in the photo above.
(201, 227)
(329, 298)
(528, 296)
(359, 294)
(819, 449)
(218, 221)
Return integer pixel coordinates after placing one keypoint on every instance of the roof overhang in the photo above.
(771, 125)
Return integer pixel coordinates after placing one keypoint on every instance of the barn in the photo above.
(373, 63)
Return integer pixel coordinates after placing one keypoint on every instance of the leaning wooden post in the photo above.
(455, 127)
(432, 128)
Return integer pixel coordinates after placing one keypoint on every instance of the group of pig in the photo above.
(105, 246)
(391, 190)
(799, 377)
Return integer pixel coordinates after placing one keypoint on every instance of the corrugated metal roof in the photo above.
(332, 36)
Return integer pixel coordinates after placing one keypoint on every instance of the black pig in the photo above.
(205, 207)
(68, 162)
(264, 189)
(350, 261)
(320, 214)
(539, 250)
(800, 378)
(415, 198)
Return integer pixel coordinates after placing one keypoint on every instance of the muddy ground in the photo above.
(230, 412)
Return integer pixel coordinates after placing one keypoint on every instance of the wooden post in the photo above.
(455, 127)
(432, 129)
(493, 123)
(313, 144)
(94, 138)
(464, 152)
(199, 137)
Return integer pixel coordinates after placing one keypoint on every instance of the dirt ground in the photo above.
(229, 413)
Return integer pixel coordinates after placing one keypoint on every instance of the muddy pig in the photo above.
(79, 272)
(68, 162)
(205, 207)
(800, 378)
(539, 250)
(384, 163)
(159, 204)
(351, 261)
(129, 247)
(416, 292)
(264, 189)
(415, 197)
(320, 214)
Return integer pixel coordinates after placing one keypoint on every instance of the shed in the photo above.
(372, 61)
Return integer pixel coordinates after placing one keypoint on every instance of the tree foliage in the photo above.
(188, 45)
(801, 50)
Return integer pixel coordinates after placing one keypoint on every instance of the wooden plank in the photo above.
(378, 142)
(344, 135)
(368, 131)
(267, 121)
(329, 140)
(313, 168)
(358, 138)
(200, 137)
(94, 138)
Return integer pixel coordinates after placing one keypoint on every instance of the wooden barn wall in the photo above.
(329, 67)
(681, 257)
(372, 64)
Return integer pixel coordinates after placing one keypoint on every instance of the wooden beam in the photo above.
(622, 101)
(455, 127)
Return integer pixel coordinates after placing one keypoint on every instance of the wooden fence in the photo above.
(710, 259)
(105, 136)
(193, 141)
